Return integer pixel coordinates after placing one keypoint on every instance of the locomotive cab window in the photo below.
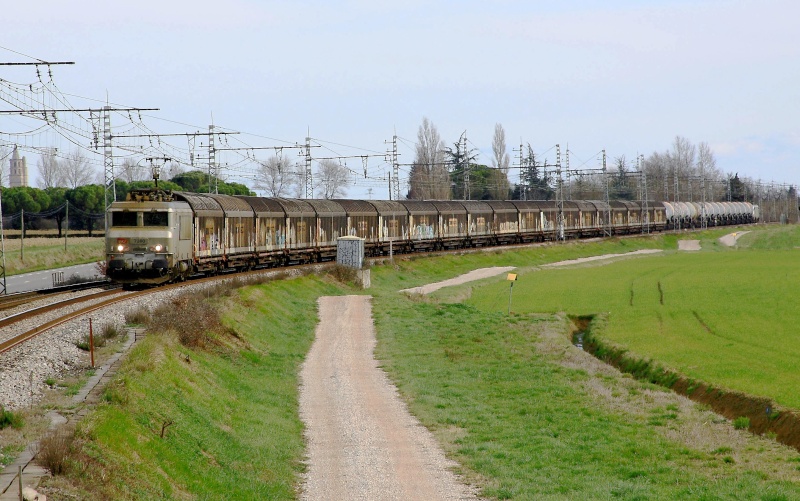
(126, 218)
(159, 218)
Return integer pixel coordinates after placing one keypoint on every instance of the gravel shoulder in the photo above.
(362, 441)
(461, 279)
(731, 238)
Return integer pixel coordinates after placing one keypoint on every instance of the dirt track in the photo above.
(362, 441)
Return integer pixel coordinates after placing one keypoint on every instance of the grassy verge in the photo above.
(47, 253)
(218, 421)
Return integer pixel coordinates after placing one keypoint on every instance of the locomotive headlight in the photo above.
(158, 247)
(120, 248)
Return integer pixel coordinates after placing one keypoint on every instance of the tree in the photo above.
(24, 198)
(461, 160)
(501, 162)
(131, 171)
(4, 166)
(123, 187)
(738, 190)
(76, 170)
(276, 176)
(683, 161)
(533, 184)
(195, 181)
(429, 179)
(89, 202)
(620, 187)
(332, 179)
(57, 197)
(50, 170)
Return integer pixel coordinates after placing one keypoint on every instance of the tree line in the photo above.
(683, 172)
(47, 208)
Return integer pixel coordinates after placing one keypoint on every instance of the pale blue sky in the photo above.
(627, 76)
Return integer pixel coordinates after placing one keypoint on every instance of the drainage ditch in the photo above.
(764, 415)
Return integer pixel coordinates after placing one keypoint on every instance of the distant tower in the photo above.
(18, 172)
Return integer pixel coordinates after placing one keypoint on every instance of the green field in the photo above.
(728, 318)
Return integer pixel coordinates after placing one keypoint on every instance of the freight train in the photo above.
(157, 236)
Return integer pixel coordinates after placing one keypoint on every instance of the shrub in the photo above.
(343, 274)
(741, 423)
(140, 316)
(110, 331)
(192, 318)
(8, 418)
(83, 343)
(54, 451)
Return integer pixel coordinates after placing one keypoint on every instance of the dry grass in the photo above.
(194, 319)
(46, 253)
(139, 316)
(55, 449)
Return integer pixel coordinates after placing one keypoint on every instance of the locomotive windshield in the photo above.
(131, 218)
(126, 218)
(156, 218)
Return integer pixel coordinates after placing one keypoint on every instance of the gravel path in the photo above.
(731, 238)
(603, 257)
(461, 279)
(362, 441)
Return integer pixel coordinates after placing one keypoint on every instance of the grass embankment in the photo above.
(47, 253)
(228, 410)
(726, 318)
(499, 393)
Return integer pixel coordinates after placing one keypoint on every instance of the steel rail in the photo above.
(21, 338)
(12, 319)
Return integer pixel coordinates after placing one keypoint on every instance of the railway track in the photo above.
(99, 300)
(106, 298)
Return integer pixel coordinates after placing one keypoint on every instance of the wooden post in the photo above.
(19, 476)
(91, 342)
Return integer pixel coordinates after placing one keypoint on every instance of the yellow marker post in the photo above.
(512, 277)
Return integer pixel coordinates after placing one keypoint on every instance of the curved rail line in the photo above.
(21, 338)
(117, 294)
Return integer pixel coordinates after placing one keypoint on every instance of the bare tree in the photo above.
(683, 158)
(501, 159)
(50, 170)
(429, 178)
(276, 176)
(76, 170)
(501, 162)
(5, 166)
(714, 178)
(130, 171)
(687, 168)
(332, 179)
